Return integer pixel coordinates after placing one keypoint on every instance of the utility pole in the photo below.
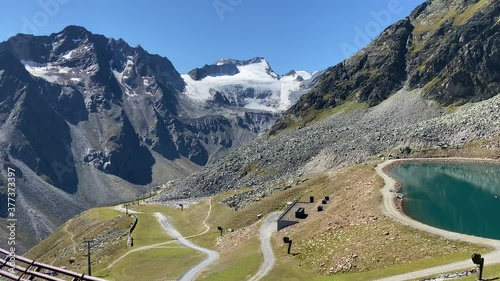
(88, 241)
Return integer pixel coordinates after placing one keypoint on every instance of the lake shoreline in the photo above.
(398, 186)
(391, 211)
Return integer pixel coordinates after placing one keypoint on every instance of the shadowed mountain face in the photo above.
(448, 48)
(88, 120)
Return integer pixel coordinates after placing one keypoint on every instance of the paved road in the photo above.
(212, 256)
(391, 210)
(266, 230)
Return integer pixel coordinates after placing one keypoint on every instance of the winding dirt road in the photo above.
(392, 211)
(212, 256)
(159, 245)
(267, 228)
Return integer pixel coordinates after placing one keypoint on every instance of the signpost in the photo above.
(479, 261)
(288, 241)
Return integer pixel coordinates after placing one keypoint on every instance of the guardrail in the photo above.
(33, 270)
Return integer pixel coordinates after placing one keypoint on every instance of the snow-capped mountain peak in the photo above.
(251, 84)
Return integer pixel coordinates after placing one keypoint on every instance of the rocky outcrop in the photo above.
(447, 48)
(213, 70)
(224, 67)
(453, 51)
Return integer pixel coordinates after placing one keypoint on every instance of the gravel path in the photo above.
(267, 228)
(392, 211)
(122, 209)
(212, 256)
(158, 245)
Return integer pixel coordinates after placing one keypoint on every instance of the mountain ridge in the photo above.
(90, 121)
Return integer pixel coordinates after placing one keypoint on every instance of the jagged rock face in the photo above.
(76, 86)
(456, 59)
(226, 67)
(213, 70)
(448, 48)
(42, 132)
(89, 121)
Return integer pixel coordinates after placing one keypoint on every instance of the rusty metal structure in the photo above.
(27, 270)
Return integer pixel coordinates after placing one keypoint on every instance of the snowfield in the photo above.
(47, 71)
(268, 91)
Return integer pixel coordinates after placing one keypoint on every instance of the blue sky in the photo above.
(291, 34)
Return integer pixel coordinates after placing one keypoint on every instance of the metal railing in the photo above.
(33, 269)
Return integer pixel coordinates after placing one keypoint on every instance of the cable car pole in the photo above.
(88, 241)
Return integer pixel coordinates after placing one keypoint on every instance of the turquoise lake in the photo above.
(459, 197)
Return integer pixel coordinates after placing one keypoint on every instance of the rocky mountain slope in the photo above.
(87, 120)
(392, 97)
(447, 48)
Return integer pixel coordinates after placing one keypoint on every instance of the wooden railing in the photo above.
(27, 270)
